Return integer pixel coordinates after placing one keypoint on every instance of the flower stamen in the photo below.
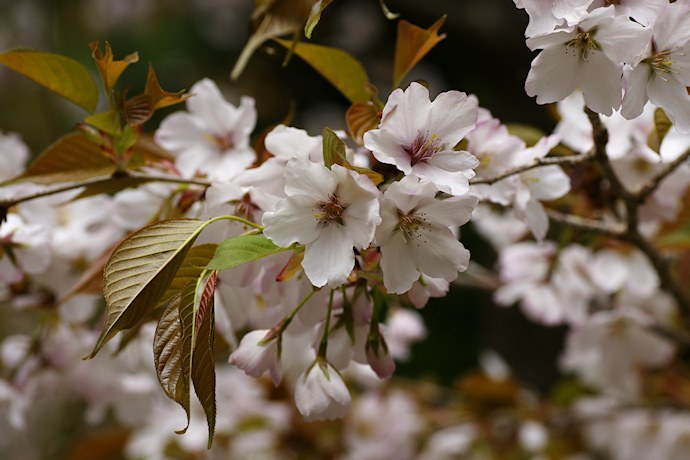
(423, 148)
(331, 210)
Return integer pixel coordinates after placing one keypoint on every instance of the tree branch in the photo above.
(646, 189)
(567, 160)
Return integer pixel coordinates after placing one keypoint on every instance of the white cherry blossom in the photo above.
(321, 394)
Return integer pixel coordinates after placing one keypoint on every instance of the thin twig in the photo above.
(646, 189)
(609, 229)
(567, 160)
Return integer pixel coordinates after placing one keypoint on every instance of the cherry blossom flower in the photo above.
(256, 355)
(321, 394)
(330, 211)
(418, 136)
(545, 15)
(415, 237)
(24, 248)
(589, 56)
(663, 73)
(14, 154)
(213, 137)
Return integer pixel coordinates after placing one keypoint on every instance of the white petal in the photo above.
(302, 177)
(552, 76)
(330, 258)
(600, 82)
(292, 221)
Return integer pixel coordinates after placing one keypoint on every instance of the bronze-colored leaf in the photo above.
(340, 68)
(270, 19)
(60, 74)
(361, 117)
(191, 268)
(140, 271)
(293, 266)
(159, 97)
(412, 44)
(172, 348)
(71, 158)
(662, 125)
(110, 69)
(204, 356)
(138, 110)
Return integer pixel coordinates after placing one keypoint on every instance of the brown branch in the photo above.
(609, 229)
(646, 189)
(567, 160)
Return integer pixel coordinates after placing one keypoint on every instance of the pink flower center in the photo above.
(423, 148)
(245, 208)
(409, 225)
(224, 142)
(583, 43)
(330, 211)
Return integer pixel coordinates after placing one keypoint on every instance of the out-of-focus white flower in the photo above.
(404, 328)
(450, 443)
(14, 154)
(213, 137)
(533, 436)
(605, 351)
(321, 394)
(330, 211)
(24, 248)
(418, 136)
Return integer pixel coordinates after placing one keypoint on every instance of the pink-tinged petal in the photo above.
(399, 269)
(330, 258)
(210, 107)
(387, 149)
(380, 360)
(547, 183)
(292, 221)
(453, 211)
(623, 40)
(405, 112)
(194, 159)
(438, 253)
(553, 75)
(453, 182)
(389, 220)
(635, 84)
(409, 191)
(600, 82)
(537, 220)
(674, 99)
(453, 115)
(284, 142)
(672, 25)
(179, 132)
(361, 219)
(321, 394)
(302, 177)
(550, 40)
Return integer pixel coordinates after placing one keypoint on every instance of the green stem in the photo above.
(324, 339)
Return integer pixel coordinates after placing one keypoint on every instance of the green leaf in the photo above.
(240, 249)
(204, 357)
(108, 122)
(172, 348)
(315, 16)
(140, 270)
(71, 158)
(340, 68)
(60, 74)
(412, 44)
(333, 149)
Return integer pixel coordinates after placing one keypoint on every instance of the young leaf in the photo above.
(333, 149)
(71, 158)
(140, 270)
(270, 19)
(361, 117)
(138, 110)
(413, 44)
(293, 265)
(172, 348)
(108, 122)
(240, 249)
(315, 16)
(662, 125)
(204, 357)
(60, 74)
(110, 69)
(340, 68)
(159, 97)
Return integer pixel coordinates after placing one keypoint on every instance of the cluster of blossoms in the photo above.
(365, 229)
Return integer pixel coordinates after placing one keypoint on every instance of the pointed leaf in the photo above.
(108, 122)
(270, 19)
(60, 74)
(293, 265)
(172, 348)
(140, 271)
(333, 149)
(413, 44)
(191, 268)
(662, 125)
(159, 97)
(110, 69)
(315, 16)
(240, 249)
(361, 117)
(138, 110)
(71, 158)
(204, 357)
(340, 68)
